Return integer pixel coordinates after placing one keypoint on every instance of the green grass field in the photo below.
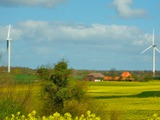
(132, 100)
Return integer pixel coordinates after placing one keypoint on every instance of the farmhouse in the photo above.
(95, 77)
(125, 76)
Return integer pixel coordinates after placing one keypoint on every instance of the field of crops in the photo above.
(123, 100)
(129, 100)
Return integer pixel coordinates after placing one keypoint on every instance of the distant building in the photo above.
(108, 78)
(95, 77)
(126, 76)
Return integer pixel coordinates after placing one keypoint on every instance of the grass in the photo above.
(134, 100)
(26, 95)
(25, 79)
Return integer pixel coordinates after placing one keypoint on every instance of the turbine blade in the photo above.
(153, 38)
(157, 50)
(9, 30)
(146, 49)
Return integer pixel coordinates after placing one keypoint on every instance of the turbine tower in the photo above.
(9, 47)
(154, 48)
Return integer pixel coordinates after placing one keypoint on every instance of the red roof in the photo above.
(126, 74)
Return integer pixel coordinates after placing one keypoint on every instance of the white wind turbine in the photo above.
(154, 48)
(9, 47)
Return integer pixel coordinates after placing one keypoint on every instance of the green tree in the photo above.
(61, 74)
(43, 73)
(59, 90)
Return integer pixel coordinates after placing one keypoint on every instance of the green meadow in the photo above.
(127, 100)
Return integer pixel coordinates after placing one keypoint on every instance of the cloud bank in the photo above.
(124, 10)
(38, 3)
(40, 31)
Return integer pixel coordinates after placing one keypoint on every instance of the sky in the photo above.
(89, 34)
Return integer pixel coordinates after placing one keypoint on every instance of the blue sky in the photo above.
(90, 34)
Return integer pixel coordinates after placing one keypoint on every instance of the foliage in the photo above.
(43, 73)
(61, 74)
(55, 116)
(14, 98)
(146, 78)
(9, 106)
(112, 72)
(60, 90)
(58, 98)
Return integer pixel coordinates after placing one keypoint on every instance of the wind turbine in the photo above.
(9, 47)
(154, 48)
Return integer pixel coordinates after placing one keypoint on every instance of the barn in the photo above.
(95, 77)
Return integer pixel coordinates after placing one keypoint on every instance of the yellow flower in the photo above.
(13, 115)
(33, 112)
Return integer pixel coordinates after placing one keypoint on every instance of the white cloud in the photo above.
(48, 31)
(99, 35)
(40, 3)
(124, 9)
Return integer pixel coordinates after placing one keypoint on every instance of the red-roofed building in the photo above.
(126, 76)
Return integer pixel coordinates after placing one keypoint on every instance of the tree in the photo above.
(61, 74)
(59, 90)
(112, 72)
(43, 73)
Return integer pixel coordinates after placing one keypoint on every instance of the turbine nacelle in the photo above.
(154, 45)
